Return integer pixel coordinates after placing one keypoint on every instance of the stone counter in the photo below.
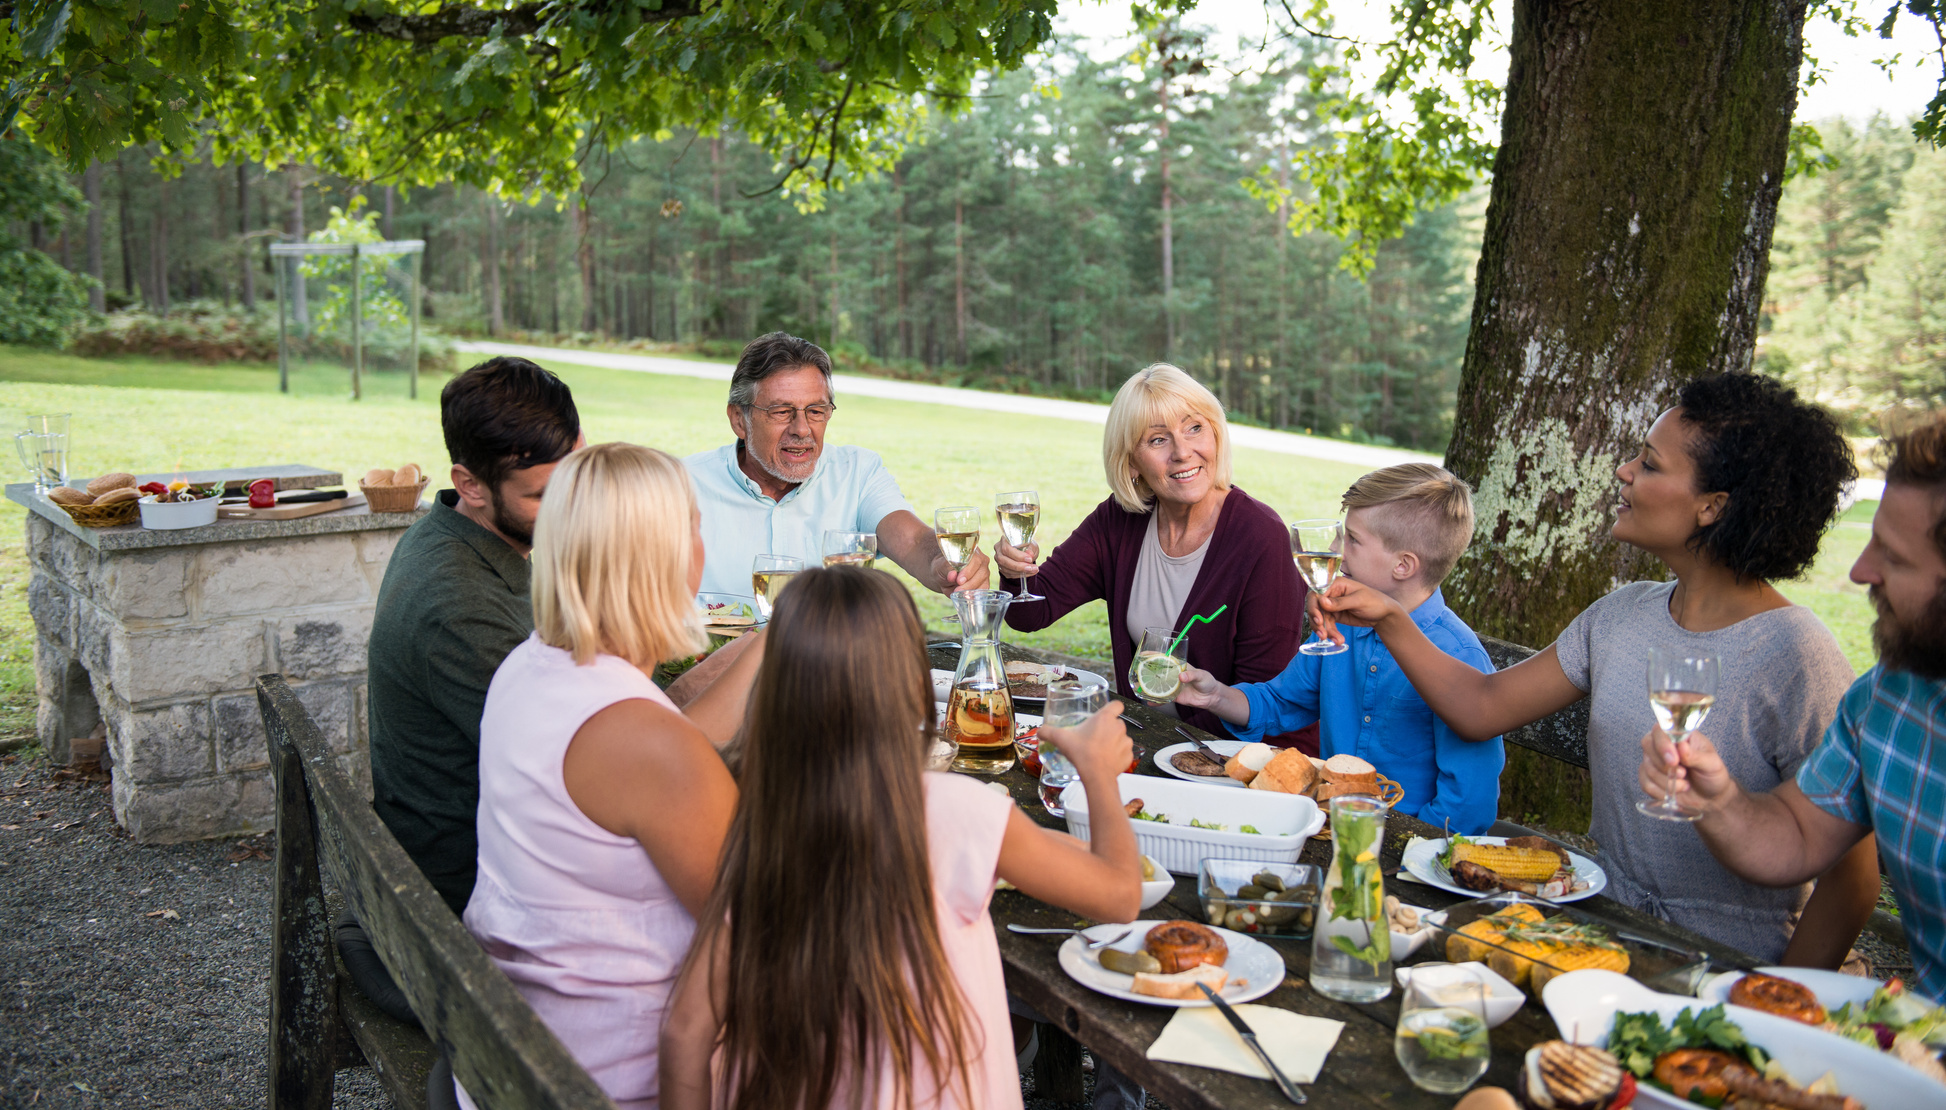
(161, 636)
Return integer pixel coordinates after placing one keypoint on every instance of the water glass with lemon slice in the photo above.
(1442, 1034)
(1155, 674)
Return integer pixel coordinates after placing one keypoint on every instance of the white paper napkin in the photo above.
(1201, 1037)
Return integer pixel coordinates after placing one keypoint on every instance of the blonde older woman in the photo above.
(602, 807)
(1175, 539)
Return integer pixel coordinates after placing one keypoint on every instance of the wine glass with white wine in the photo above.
(958, 529)
(1318, 548)
(769, 574)
(1020, 514)
(850, 549)
(1682, 688)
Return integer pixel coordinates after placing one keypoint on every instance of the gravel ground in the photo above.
(130, 976)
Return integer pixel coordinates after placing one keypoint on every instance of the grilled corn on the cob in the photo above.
(1529, 864)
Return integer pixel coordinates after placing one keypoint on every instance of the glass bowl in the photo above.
(1249, 896)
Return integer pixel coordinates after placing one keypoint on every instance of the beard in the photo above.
(520, 532)
(783, 471)
(1917, 645)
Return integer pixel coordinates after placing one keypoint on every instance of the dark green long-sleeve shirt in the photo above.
(453, 604)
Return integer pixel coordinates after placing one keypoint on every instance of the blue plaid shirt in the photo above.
(1882, 763)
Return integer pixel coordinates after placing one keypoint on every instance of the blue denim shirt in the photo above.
(1368, 709)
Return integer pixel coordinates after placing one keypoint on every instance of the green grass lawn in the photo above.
(146, 416)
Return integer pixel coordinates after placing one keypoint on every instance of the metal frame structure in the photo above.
(415, 248)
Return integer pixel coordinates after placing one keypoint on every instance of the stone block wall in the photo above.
(165, 644)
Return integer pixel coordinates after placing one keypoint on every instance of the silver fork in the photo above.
(1092, 944)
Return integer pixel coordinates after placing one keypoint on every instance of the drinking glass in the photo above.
(1682, 687)
(850, 549)
(1318, 548)
(45, 455)
(1155, 674)
(958, 529)
(1070, 702)
(1442, 1038)
(769, 574)
(1020, 514)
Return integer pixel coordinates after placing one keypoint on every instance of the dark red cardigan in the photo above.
(1248, 567)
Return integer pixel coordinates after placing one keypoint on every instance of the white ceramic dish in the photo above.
(1583, 1005)
(1165, 761)
(1421, 861)
(164, 515)
(1405, 944)
(1832, 988)
(1155, 890)
(1284, 821)
(1255, 963)
(1421, 982)
(1078, 673)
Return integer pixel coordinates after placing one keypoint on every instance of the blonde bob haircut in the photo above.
(1158, 394)
(611, 557)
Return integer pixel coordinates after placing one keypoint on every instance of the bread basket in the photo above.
(103, 516)
(393, 499)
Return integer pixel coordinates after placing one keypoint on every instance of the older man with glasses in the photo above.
(778, 489)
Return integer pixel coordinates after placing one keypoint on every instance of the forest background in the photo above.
(1018, 247)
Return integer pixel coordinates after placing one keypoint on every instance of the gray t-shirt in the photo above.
(1162, 583)
(1782, 676)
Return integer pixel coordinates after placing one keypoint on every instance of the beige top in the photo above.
(1162, 583)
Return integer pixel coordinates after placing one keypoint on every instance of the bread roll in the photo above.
(1288, 772)
(1182, 984)
(1244, 765)
(68, 495)
(116, 480)
(407, 475)
(377, 476)
(121, 493)
(1349, 768)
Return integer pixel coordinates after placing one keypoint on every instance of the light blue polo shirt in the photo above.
(848, 491)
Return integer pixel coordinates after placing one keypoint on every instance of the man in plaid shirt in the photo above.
(1882, 764)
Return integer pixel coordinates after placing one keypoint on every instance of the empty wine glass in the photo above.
(1020, 514)
(1318, 548)
(850, 549)
(1682, 687)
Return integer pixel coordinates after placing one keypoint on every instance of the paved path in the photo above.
(1263, 439)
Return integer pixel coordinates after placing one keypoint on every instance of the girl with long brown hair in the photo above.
(846, 957)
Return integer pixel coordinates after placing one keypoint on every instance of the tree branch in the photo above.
(466, 21)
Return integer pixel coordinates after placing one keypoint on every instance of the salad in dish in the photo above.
(1896, 1022)
(1705, 1058)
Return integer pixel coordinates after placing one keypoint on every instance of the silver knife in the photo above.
(1250, 1038)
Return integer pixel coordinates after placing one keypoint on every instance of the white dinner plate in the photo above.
(1078, 673)
(1165, 762)
(1421, 861)
(1583, 1005)
(1255, 963)
(1834, 989)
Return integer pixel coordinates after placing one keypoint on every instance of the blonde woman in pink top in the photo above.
(602, 808)
(846, 958)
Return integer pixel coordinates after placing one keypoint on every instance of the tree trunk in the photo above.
(495, 322)
(898, 255)
(1626, 247)
(249, 272)
(385, 221)
(1168, 223)
(1627, 241)
(121, 227)
(584, 253)
(300, 296)
(959, 278)
(91, 188)
(834, 281)
(159, 250)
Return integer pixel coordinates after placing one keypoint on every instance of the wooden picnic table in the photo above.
(1361, 1070)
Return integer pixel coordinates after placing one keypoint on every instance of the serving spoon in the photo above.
(1092, 944)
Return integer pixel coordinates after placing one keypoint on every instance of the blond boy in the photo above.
(1405, 527)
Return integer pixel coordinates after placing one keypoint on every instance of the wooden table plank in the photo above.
(1361, 1071)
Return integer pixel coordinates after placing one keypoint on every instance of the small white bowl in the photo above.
(1405, 944)
(1156, 890)
(164, 515)
(1503, 998)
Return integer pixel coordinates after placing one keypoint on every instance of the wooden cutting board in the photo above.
(289, 512)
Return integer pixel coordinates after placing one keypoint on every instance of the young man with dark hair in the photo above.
(1881, 767)
(778, 489)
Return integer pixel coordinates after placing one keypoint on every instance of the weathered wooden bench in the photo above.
(319, 1021)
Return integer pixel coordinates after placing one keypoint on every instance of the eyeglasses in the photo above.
(784, 415)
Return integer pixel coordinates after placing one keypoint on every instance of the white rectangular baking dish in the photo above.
(1283, 821)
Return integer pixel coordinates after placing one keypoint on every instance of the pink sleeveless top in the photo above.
(576, 916)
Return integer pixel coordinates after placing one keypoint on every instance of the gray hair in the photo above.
(774, 354)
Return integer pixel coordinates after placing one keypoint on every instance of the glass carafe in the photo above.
(980, 710)
(1351, 949)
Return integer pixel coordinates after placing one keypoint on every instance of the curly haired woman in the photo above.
(1732, 489)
